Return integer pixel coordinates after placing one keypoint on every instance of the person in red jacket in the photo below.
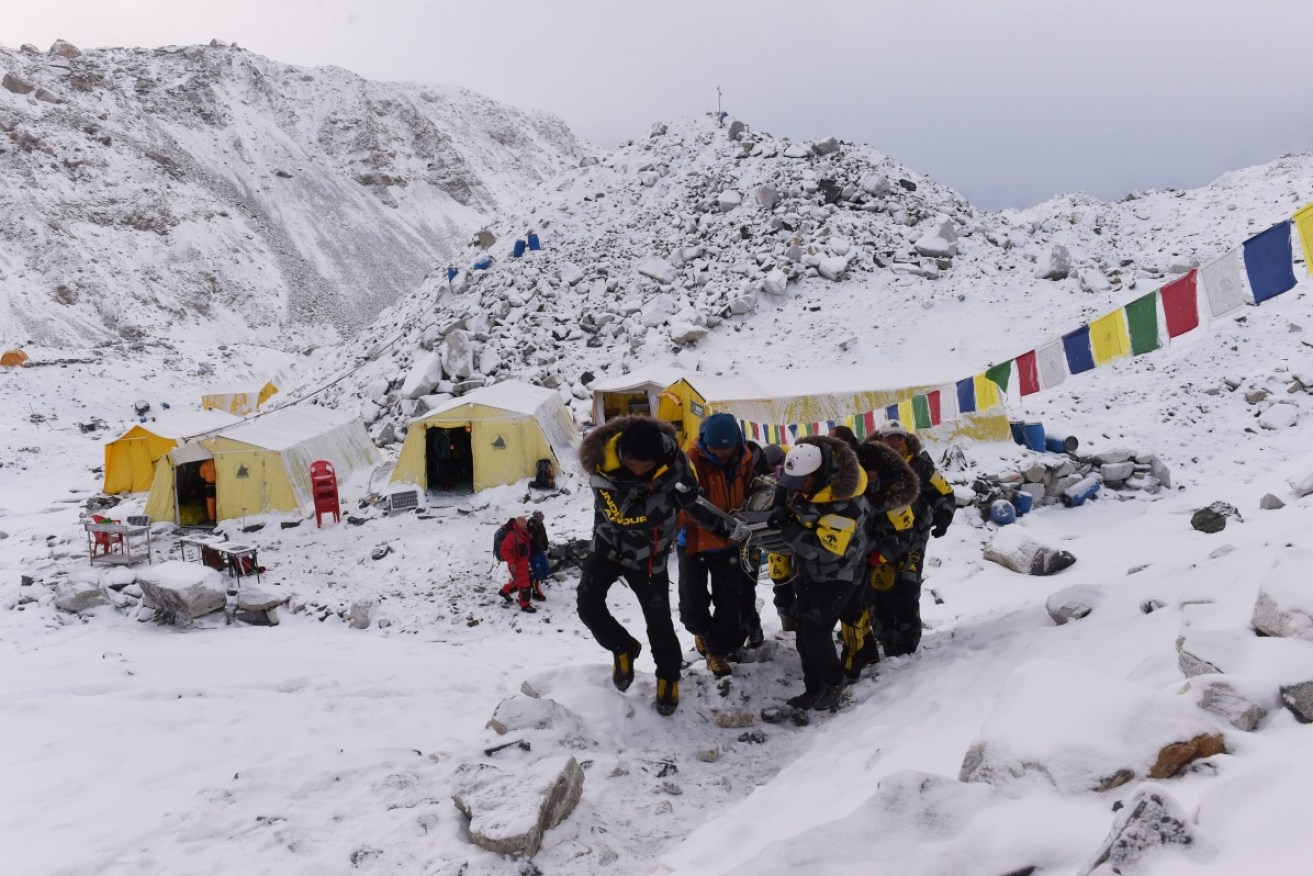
(515, 551)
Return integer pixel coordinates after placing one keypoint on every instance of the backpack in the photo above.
(545, 475)
(498, 537)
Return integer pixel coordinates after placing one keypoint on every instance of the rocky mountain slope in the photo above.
(149, 192)
(678, 244)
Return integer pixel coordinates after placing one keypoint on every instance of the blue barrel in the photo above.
(483, 264)
(518, 249)
(1024, 502)
(1061, 443)
(1078, 492)
(533, 242)
(451, 274)
(1017, 435)
(1002, 512)
(1033, 432)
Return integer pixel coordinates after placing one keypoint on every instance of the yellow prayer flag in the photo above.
(1109, 337)
(986, 393)
(906, 415)
(1304, 222)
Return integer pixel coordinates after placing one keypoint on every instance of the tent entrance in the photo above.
(192, 492)
(448, 460)
(624, 404)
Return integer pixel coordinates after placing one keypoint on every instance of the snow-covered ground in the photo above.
(315, 747)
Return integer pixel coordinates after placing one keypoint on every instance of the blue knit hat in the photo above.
(721, 432)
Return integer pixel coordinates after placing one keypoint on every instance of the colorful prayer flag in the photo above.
(1222, 284)
(1001, 374)
(1108, 337)
(932, 399)
(1181, 304)
(891, 413)
(948, 409)
(868, 422)
(1028, 373)
(1076, 346)
(1304, 222)
(986, 393)
(905, 414)
(1268, 262)
(921, 412)
(966, 395)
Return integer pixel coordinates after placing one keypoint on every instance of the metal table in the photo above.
(232, 554)
(117, 544)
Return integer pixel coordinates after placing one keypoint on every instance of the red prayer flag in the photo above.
(1181, 305)
(1028, 372)
(933, 398)
(868, 419)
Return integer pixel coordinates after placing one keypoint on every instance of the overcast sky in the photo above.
(1008, 101)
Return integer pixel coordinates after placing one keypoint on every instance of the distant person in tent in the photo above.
(515, 551)
(897, 619)
(208, 490)
(539, 570)
(823, 513)
(725, 465)
(891, 489)
(641, 480)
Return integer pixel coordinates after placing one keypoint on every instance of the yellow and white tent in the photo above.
(511, 425)
(130, 459)
(261, 464)
(242, 402)
(633, 393)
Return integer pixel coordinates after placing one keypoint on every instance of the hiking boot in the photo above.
(539, 595)
(804, 700)
(622, 674)
(719, 666)
(506, 597)
(829, 698)
(756, 637)
(788, 623)
(667, 698)
(700, 645)
(529, 608)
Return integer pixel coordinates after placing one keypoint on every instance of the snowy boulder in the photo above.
(736, 130)
(489, 360)
(1012, 549)
(1063, 726)
(776, 282)
(80, 592)
(649, 178)
(828, 146)
(1073, 603)
(875, 184)
(509, 811)
(423, 376)
(360, 614)
(1222, 696)
(833, 268)
(1302, 485)
(571, 273)
(1054, 264)
(940, 241)
(658, 269)
(797, 150)
(457, 355)
(1093, 280)
(1213, 518)
(684, 328)
(521, 713)
(1272, 661)
(840, 246)
(658, 129)
(1150, 823)
(743, 302)
(16, 85)
(180, 590)
(65, 49)
(1298, 698)
(728, 201)
(1281, 415)
(658, 310)
(767, 197)
(258, 606)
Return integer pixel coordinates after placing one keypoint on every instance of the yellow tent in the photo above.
(635, 392)
(491, 436)
(261, 464)
(814, 395)
(130, 459)
(241, 402)
(14, 358)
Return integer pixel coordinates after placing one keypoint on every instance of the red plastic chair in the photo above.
(104, 541)
(323, 487)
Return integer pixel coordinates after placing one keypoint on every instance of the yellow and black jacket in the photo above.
(825, 531)
(891, 496)
(936, 504)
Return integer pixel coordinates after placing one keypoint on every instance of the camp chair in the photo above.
(104, 541)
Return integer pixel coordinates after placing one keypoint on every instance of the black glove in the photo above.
(939, 529)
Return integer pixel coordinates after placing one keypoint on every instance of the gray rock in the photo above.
(736, 130)
(1054, 265)
(360, 614)
(826, 147)
(1270, 502)
(1298, 698)
(1213, 518)
(1280, 612)
(510, 811)
(1151, 821)
(939, 242)
(16, 85)
(1117, 471)
(776, 283)
(1073, 603)
(181, 591)
(457, 355)
(64, 49)
(1216, 694)
(767, 197)
(833, 268)
(1113, 456)
(521, 713)
(79, 595)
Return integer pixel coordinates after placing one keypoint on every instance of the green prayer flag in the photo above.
(1142, 318)
(921, 412)
(1000, 374)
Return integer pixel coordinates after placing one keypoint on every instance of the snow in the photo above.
(314, 746)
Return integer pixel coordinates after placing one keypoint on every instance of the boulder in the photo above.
(423, 376)
(79, 593)
(827, 146)
(833, 268)
(182, 591)
(571, 273)
(1054, 264)
(457, 354)
(1213, 518)
(940, 241)
(65, 49)
(736, 130)
(522, 713)
(776, 282)
(1073, 603)
(16, 85)
(767, 197)
(1012, 549)
(729, 200)
(875, 184)
(361, 614)
(1152, 821)
(1282, 415)
(1298, 698)
(509, 811)
(1284, 608)
(1219, 695)
(658, 269)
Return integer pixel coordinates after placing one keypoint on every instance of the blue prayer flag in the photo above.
(966, 395)
(1080, 355)
(1268, 262)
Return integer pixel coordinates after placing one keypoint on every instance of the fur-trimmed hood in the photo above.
(845, 478)
(895, 484)
(593, 450)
